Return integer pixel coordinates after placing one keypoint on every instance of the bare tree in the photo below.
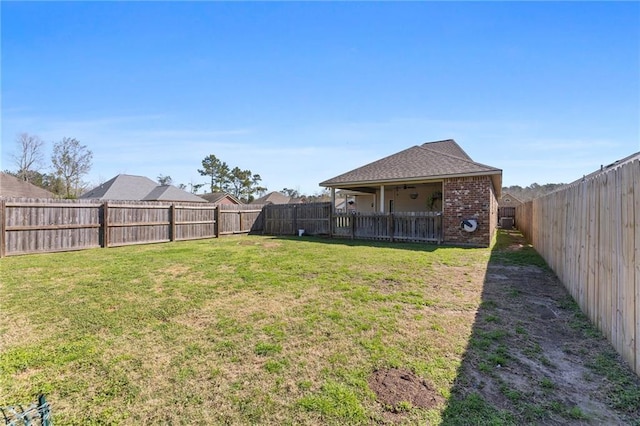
(71, 161)
(29, 158)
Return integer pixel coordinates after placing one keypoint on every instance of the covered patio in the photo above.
(433, 192)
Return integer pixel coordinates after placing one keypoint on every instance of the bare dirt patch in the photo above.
(399, 390)
(534, 357)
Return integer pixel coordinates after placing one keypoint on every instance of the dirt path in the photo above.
(534, 357)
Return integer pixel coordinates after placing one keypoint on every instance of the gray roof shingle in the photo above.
(139, 188)
(171, 193)
(122, 187)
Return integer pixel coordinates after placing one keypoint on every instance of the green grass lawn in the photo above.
(262, 330)
(235, 330)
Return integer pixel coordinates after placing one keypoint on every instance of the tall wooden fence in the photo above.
(288, 219)
(43, 226)
(240, 219)
(589, 234)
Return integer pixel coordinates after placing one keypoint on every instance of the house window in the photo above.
(507, 200)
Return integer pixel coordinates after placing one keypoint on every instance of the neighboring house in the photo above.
(507, 205)
(139, 188)
(172, 193)
(221, 198)
(274, 197)
(436, 177)
(12, 187)
(508, 200)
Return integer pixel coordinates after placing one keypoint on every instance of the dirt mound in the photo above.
(395, 388)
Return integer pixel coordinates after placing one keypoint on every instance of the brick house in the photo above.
(433, 178)
(221, 198)
(508, 200)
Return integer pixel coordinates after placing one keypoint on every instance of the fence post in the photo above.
(390, 227)
(353, 226)
(331, 220)
(216, 220)
(105, 224)
(3, 227)
(295, 219)
(240, 220)
(44, 411)
(172, 222)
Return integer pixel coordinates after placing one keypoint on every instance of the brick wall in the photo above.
(469, 198)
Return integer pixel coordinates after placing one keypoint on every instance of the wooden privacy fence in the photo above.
(239, 219)
(287, 219)
(42, 226)
(589, 234)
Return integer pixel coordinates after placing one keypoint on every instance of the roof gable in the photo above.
(217, 197)
(508, 198)
(433, 160)
(273, 198)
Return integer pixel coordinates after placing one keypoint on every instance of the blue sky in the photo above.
(302, 92)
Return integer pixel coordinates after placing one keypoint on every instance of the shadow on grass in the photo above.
(347, 242)
(532, 356)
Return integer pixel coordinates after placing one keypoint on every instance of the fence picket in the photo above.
(589, 234)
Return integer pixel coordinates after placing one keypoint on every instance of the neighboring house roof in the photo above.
(139, 188)
(122, 187)
(272, 198)
(217, 197)
(432, 160)
(11, 186)
(171, 193)
(603, 168)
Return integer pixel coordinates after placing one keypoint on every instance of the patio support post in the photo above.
(381, 198)
(333, 199)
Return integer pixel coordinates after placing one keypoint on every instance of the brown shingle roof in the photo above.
(273, 198)
(11, 186)
(433, 160)
(216, 197)
(449, 147)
